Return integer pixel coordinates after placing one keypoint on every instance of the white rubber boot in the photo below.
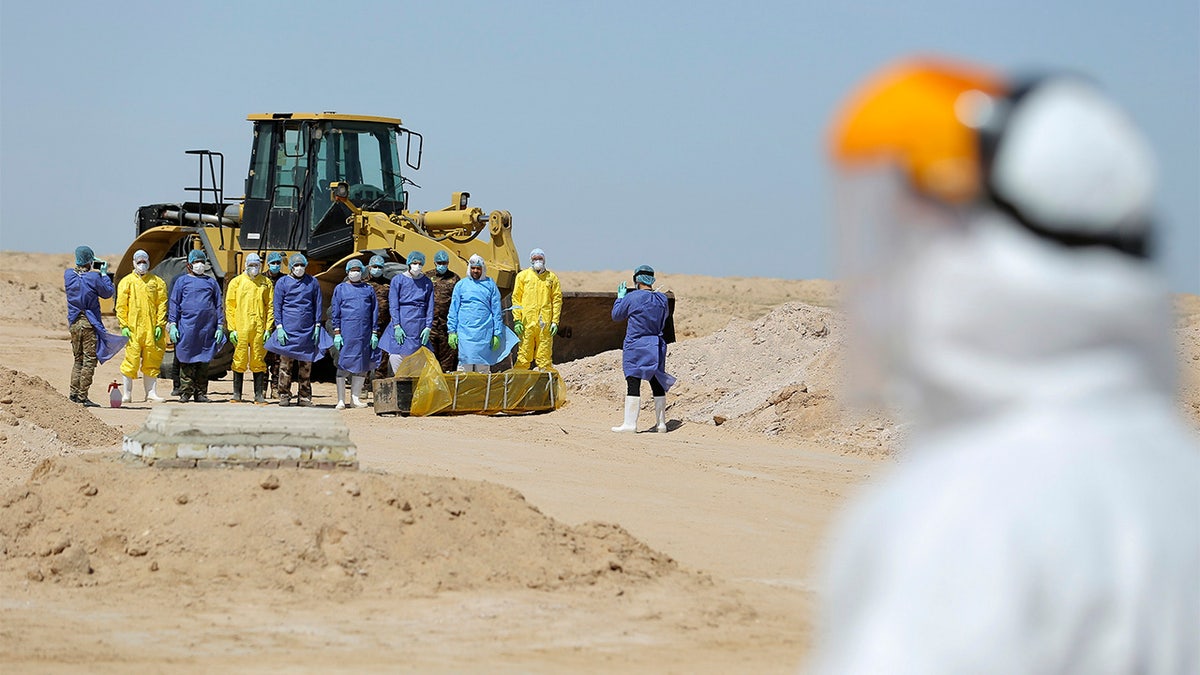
(151, 384)
(632, 403)
(126, 389)
(356, 385)
(660, 414)
(341, 389)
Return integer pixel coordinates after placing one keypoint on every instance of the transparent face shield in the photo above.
(885, 230)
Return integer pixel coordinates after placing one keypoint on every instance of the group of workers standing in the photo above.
(273, 318)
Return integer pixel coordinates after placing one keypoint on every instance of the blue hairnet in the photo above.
(141, 255)
(377, 261)
(644, 274)
(84, 256)
(297, 259)
(416, 257)
(196, 255)
(274, 257)
(253, 259)
(441, 257)
(355, 264)
(537, 253)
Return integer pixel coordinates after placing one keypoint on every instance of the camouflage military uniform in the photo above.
(381, 287)
(443, 288)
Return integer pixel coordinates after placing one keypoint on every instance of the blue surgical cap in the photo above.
(441, 257)
(84, 256)
(196, 255)
(297, 259)
(644, 274)
(377, 261)
(274, 257)
(537, 253)
(141, 255)
(416, 257)
(355, 264)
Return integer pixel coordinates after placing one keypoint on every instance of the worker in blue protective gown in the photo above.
(354, 316)
(644, 352)
(85, 284)
(475, 323)
(195, 323)
(298, 336)
(410, 300)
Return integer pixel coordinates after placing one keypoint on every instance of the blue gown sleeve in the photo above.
(452, 314)
(497, 318)
(335, 308)
(429, 305)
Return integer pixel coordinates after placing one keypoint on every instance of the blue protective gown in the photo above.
(194, 306)
(84, 291)
(355, 311)
(298, 310)
(475, 316)
(644, 350)
(411, 304)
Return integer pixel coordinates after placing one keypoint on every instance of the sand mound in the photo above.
(37, 422)
(774, 375)
(99, 520)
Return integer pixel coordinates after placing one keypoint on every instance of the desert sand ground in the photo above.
(536, 543)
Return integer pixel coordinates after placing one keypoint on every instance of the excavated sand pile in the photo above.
(775, 375)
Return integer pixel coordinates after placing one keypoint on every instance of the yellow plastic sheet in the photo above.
(513, 391)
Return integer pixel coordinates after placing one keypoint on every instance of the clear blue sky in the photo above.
(683, 134)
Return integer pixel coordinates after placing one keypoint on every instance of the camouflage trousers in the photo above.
(303, 379)
(193, 379)
(83, 346)
(447, 356)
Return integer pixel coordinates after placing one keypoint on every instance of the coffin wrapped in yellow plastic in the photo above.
(421, 388)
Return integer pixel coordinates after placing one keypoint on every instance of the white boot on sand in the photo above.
(126, 389)
(356, 385)
(341, 391)
(632, 404)
(660, 414)
(151, 384)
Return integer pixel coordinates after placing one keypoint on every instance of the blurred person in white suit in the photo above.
(1045, 514)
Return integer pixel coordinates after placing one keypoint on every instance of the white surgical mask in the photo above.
(376, 271)
(198, 267)
(355, 275)
(539, 265)
(297, 271)
(141, 267)
(252, 270)
(415, 268)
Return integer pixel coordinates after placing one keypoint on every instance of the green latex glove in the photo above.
(219, 334)
(553, 329)
(374, 341)
(233, 336)
(518, 328)
(338, 341)
(425, 336)
(621, 290)
(126, 332)
(174, 330)
(453, 341)
(104, 267)
(281, 335)
(495, 342)
(266, 335)
(317, 334)
(398, 333)
(157, 333)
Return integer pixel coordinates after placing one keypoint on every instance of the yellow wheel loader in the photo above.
(331, 186)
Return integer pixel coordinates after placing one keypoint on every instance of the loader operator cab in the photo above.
(295, 158)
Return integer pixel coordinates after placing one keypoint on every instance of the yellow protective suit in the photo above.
(539, 297)
(141, 306)
(250, 310)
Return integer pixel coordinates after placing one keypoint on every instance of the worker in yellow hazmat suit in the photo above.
(249, 316)
(142, 313)
(537, 308)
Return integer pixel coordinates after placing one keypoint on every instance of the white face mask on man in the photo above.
(198, 268)
(141, 267)
(298, 271)
(539, 265)
(415, 269)
(252, 271)
(355, 275)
